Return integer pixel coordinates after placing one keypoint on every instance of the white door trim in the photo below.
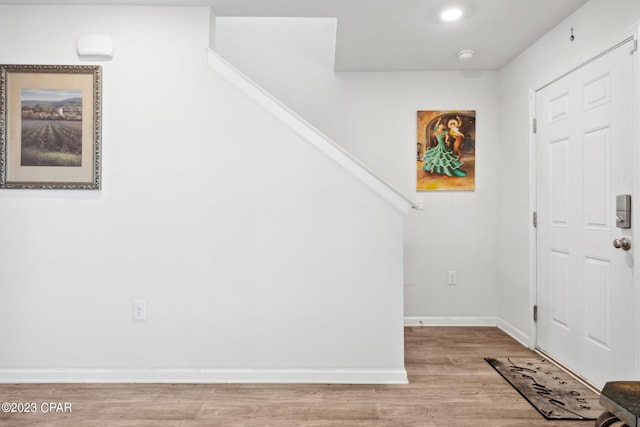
(635, 204)
(632, 32)
(533, 247)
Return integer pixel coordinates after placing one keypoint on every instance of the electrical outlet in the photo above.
(452, 277)
(139, 309)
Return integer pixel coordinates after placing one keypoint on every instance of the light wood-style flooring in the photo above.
(450, 386)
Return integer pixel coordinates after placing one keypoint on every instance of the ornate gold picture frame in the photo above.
(50, 126)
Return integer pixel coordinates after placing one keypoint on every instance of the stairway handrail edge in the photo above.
(310, 133)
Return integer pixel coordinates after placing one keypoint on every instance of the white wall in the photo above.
(256, 254)
(198, 216)
(483, 235)
(594, 24)
(456, 230)
(292, 58)
(373, 116)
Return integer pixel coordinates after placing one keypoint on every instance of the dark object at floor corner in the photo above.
(621, 399)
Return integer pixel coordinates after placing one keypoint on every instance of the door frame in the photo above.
(630, 33)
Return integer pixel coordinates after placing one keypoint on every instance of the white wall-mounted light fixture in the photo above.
(466, 55)
(451, 14)
(95, 47)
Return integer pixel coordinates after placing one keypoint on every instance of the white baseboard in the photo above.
(303, 376)
(505, 326)
(450, 321)
(513, 332)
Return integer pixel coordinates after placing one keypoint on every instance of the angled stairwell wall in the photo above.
(264, 253)
(372, 115)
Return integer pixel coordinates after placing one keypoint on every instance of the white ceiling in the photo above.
(401, 34)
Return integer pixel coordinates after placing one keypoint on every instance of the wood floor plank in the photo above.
(450, 385)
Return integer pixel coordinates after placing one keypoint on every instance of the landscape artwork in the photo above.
(51, 127)
(446, 148)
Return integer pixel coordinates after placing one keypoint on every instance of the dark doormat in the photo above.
(553, 392)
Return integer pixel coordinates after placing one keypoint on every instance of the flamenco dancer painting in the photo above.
(446, 150)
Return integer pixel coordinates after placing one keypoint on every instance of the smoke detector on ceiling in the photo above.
(466, 55)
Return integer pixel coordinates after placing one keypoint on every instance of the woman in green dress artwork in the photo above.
(440, 160)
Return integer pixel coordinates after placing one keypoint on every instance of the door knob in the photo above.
(623, 243)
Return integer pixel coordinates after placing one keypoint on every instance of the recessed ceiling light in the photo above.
(451, 14)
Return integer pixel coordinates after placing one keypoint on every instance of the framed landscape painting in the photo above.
(446, 150)
(50, 126)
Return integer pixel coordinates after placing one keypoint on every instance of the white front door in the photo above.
(584, 159)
